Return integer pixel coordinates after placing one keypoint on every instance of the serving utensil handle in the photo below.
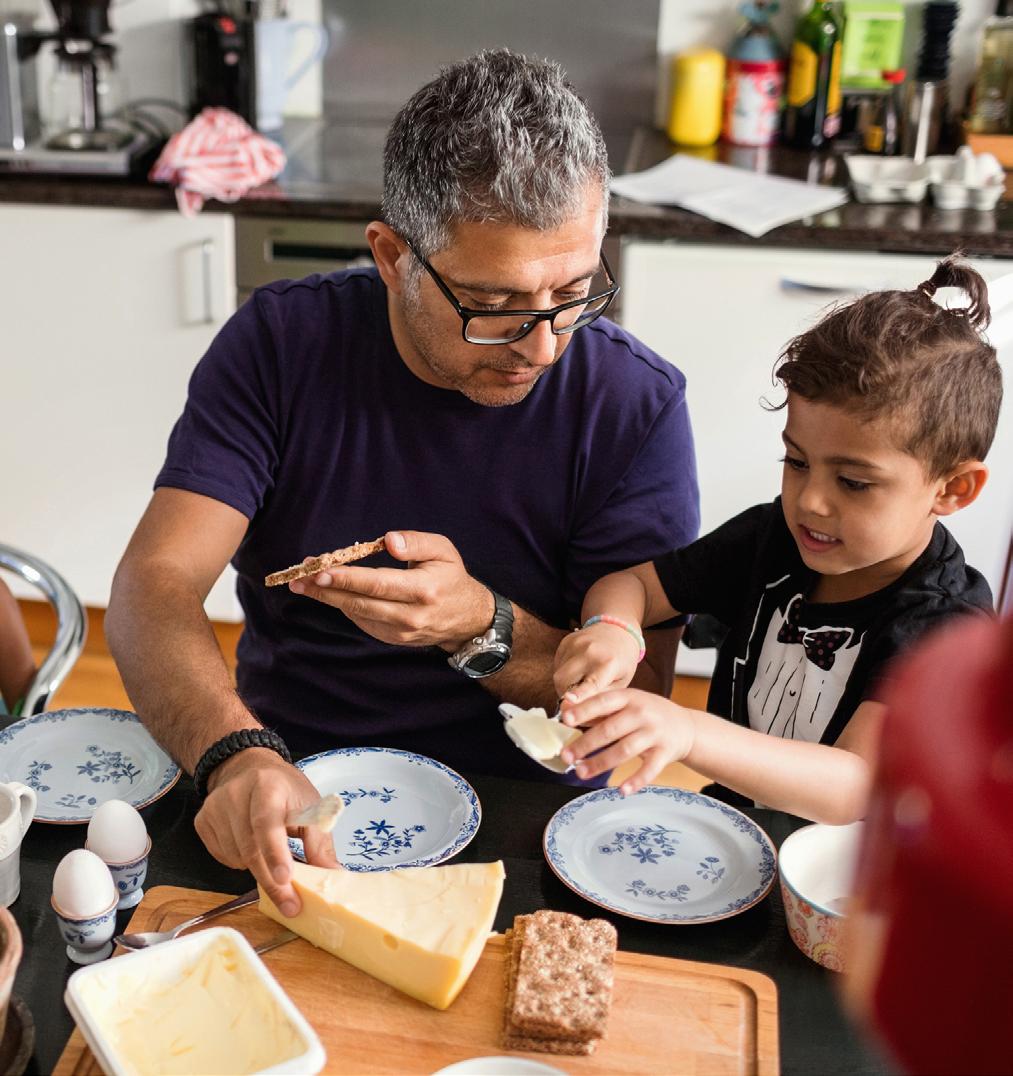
(237, 902)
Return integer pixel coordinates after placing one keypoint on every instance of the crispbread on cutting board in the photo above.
(667, 1015)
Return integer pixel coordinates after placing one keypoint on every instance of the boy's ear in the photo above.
(387, 248)
(961, 487)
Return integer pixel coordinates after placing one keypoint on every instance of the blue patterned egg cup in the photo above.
(129, 878)
(88, 940)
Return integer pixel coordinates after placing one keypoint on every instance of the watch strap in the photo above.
(497, 638)
(230, 745)
(503, 618)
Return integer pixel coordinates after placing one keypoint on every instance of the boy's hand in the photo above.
(622, 725)
(594, 659)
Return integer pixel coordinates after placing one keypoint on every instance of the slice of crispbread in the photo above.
(313, 565)
(558, 982)
(549, 1046)
(511, 1041)
(564, 976)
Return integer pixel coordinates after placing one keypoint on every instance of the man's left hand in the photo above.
(432, 602)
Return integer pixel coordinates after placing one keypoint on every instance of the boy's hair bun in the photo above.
(952, 272)
(902, 357)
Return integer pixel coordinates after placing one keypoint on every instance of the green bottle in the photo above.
(813, 113)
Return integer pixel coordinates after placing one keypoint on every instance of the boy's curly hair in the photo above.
(899, 355)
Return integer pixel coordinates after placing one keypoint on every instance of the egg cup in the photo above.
(88, 939)
(129, 877)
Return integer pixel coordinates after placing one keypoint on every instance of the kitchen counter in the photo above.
(334, 173)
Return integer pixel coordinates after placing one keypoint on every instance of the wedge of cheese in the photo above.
(420, 929)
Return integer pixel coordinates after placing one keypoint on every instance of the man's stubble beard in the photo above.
(423, 335)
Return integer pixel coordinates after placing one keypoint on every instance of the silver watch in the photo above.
(488, 653)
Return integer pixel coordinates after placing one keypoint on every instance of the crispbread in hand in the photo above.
(315, 565)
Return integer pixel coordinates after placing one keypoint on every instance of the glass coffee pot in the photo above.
(84, 92)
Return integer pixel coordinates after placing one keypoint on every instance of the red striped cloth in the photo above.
(216, 155)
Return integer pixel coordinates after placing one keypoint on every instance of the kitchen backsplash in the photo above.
(608, 50)
(617, 54)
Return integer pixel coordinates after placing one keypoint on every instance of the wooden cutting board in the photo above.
(667, 1015)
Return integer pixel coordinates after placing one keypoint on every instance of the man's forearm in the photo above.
(526, 679)
(171, 664)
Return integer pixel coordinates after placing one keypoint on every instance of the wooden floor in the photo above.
(94, 680)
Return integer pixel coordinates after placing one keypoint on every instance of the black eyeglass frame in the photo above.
(466, 313)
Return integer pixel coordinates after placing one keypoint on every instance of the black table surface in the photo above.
(815, 1035)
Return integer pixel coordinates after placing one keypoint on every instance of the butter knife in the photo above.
(279, 939)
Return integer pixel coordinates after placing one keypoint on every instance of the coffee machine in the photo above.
(84, 136)
(222, 49)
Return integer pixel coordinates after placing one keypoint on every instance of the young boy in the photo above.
(892, 403)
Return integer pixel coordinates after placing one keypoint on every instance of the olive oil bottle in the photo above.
(813, 113)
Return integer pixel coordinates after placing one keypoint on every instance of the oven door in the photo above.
(270, 249)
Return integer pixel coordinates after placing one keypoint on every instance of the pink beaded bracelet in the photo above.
(606, 619)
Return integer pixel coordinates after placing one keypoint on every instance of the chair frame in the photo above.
(71, 629)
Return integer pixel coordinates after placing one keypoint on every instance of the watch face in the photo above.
(484, 664)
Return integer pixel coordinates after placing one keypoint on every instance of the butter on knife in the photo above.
(322, 814)
(538, 735)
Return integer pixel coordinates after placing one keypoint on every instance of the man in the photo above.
(425, 401)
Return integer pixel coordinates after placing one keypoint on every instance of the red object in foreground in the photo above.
(933, 924)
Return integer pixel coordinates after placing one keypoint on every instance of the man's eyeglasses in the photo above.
(506, 326)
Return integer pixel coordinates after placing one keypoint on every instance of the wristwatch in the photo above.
(488, 653)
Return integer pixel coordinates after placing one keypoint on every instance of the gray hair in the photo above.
(497, 137)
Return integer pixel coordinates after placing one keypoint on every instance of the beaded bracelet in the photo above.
(606, 619)
(231, 745)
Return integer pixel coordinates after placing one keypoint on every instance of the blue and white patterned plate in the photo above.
(665, 855)
(77, 759)
(401, 809)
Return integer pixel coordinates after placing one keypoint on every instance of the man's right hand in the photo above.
(242, 821)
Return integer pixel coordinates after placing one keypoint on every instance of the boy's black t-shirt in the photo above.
(799, 669)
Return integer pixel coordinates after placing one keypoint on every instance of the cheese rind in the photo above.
(420, 929)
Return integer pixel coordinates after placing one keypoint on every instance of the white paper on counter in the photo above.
(749, 201)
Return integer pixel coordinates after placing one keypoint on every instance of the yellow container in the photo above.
(698, 86)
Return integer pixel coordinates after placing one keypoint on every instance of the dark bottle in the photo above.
(882, 135)
(813, 114)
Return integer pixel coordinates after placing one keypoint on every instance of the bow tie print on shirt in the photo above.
(819, 644)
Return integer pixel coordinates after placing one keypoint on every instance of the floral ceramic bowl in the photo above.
(816, 865)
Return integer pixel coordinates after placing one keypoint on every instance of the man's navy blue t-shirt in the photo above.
(303, 416)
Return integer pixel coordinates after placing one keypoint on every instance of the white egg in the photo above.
(116, 832)
(82, 885)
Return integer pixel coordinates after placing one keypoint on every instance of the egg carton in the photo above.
(966, 179)
(957, 181)
(887, 179)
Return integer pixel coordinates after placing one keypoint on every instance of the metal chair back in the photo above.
(71, 628)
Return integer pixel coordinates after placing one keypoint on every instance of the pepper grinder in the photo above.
(927, 95)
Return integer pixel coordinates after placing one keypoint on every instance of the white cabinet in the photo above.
(723, 314)
(103, 313)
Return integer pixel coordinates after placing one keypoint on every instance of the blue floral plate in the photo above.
(401, 810)
(664, 855)
(77, 759)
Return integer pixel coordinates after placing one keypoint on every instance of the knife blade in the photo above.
(279, 939)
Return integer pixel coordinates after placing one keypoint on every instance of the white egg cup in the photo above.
(129, 877)
(88, 939)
